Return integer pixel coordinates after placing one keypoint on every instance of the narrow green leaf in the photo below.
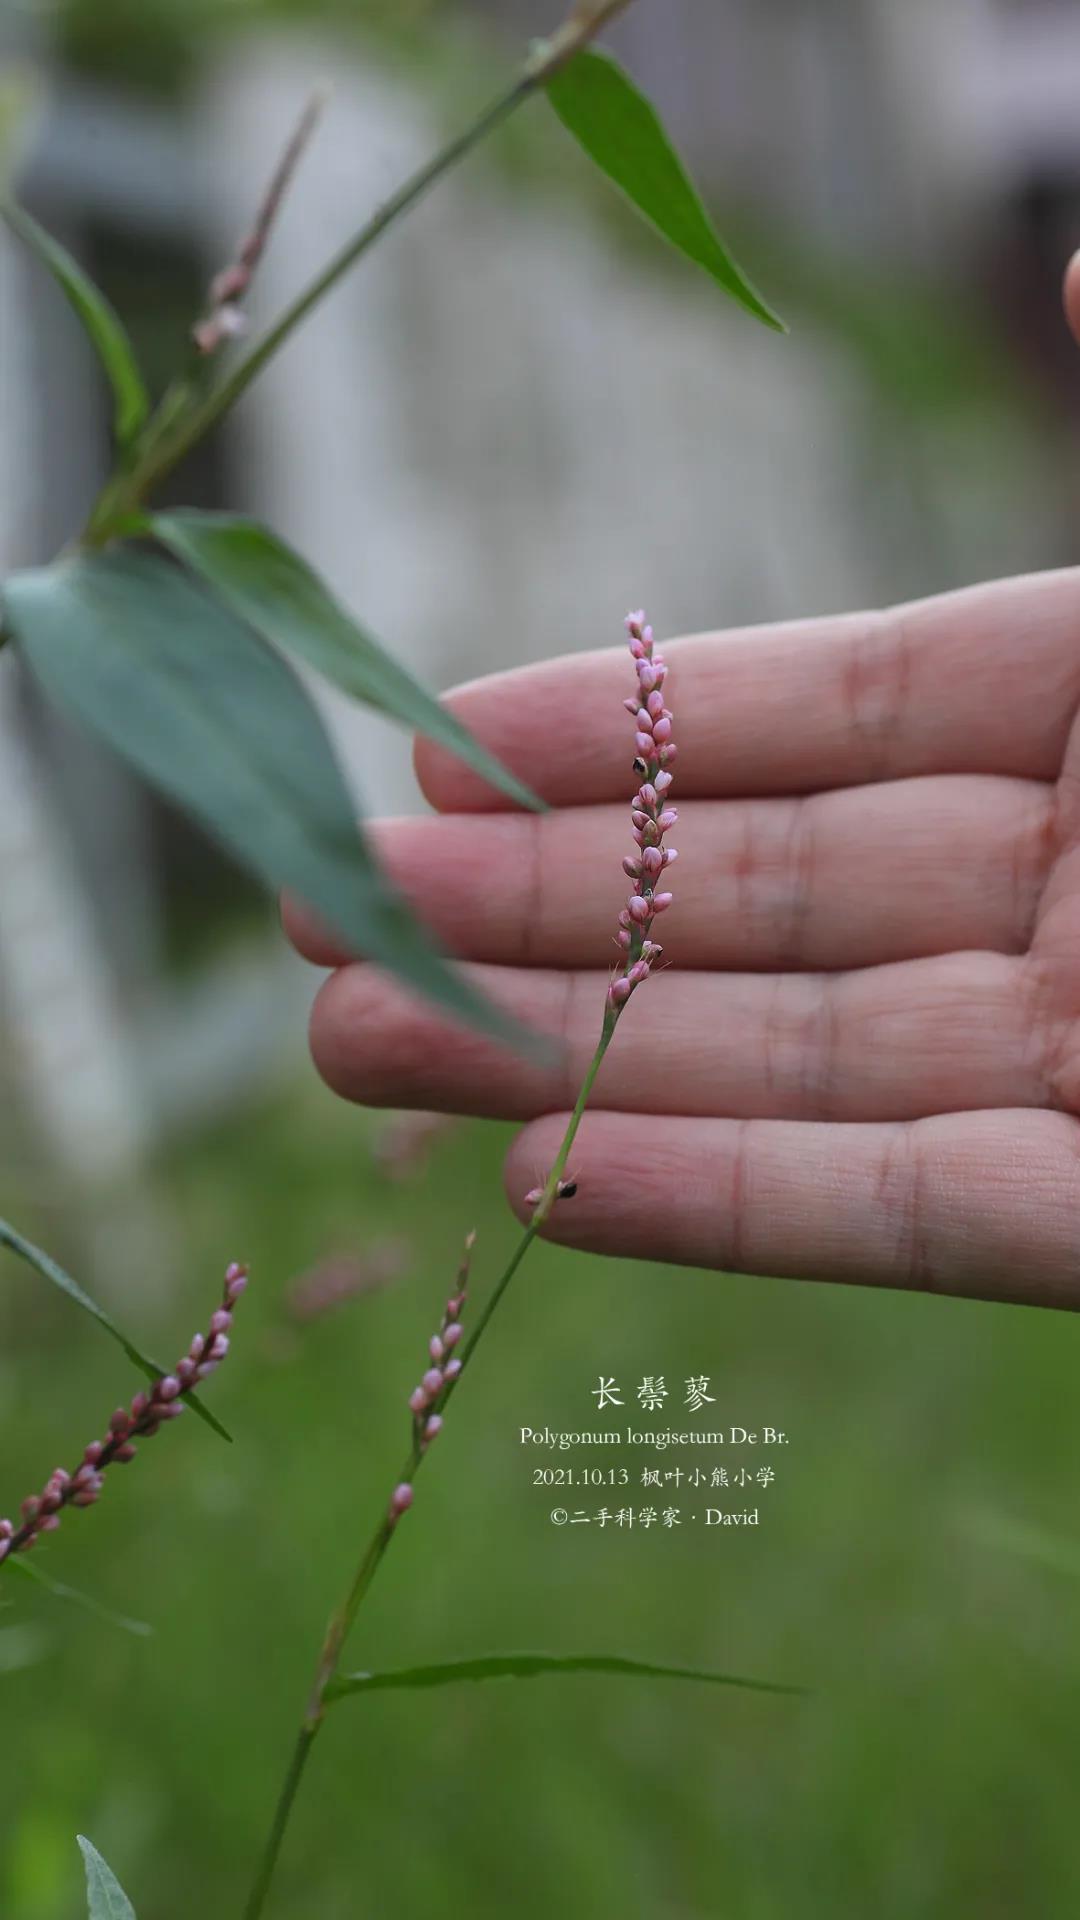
(33, 1570)
(620, 130)
(51, 1270)
(211, 714)
(529, 1666)
(105, 1897)
(131, 402)
(1010, 1535)
(276, 591)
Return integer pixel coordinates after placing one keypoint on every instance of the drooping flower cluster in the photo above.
(428, 1394)
(148, 1411)
(651, 816)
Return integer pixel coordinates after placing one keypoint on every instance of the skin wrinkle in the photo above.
(733, 1254)
(1032, 855)
(800, 855)
(875, 681)
(533, 919)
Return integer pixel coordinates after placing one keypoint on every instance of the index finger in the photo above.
(985, 680)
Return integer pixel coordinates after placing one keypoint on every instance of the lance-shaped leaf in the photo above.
(209, 712)
(105, 1897)
(52, 1271)
(620, 130)
(33, 1570)
(531, 1666)
(276, 591)
(113, 348)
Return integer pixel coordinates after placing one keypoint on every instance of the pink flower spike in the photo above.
(650, 817)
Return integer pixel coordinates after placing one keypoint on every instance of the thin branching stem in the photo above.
(341, 1624)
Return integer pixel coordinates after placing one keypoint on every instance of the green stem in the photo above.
(342, 1622)
(166, 452)
(163, 448)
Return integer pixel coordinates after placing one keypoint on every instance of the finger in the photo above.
(982, 1204)
(845, 879)
(1072, 295)
(926, 1036)
(981, 681)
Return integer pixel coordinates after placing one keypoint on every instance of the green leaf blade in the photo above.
(267, 584)
(621, 132)
(51, 1270)
(215, 718)
(531, 1666)
(105, 1897)
(131, 402)
(33, 1570)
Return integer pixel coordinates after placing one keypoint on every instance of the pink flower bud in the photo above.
(169, 1388)
(638, 907)
(652, 860)
(451, 1370)
(221, 1321)
(453, 1335)
(655, 705)
(661, 902)
(671, 854)
(662, 732)
(644, 744)
(662, 782)
(433, 1426)
(534, 1196)
(432, 1382)
(622, 939)
(646, 675)
(638, 972)
(646, 797)
(435, 1347)
(668, 819)
(620, 991)
(632, 868)
(418, 1400)
(401, 1499)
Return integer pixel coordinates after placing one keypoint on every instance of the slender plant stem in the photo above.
(545, 59)
(341, 1624)
(164, 448)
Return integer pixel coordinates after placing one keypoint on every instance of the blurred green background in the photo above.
(907, 188)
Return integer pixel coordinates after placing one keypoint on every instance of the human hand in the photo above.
(863, 1062)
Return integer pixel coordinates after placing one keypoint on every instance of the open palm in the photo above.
(863, 1062)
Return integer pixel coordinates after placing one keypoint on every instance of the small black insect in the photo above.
(567, 1189)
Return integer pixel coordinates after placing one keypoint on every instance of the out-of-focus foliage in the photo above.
(943, 1667)
(153, 44)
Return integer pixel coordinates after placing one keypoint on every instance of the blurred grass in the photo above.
(929, 1772)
